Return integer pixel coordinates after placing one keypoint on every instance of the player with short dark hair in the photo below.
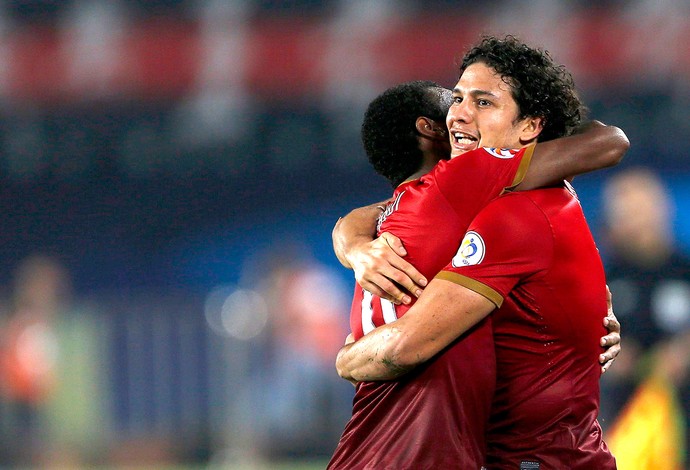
(392, 144)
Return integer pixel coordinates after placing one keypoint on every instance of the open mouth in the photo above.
(464, 139)
(464, 142)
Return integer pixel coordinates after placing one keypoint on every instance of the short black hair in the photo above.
(540, 87)
(389, 132)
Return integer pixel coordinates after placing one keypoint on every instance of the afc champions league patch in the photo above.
(471, 250)
(502, 153)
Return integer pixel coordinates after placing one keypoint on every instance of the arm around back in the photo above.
(358, 226)
(377, 262)
(444, 312)
(594, 147)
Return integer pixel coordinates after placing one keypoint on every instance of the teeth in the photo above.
(459, 136)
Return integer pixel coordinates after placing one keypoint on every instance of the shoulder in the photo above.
(485, 155)
(489, 154)
(517, 200)
(514, 213)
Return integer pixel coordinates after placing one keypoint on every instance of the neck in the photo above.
(426, 167)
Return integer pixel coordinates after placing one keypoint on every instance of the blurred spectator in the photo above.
(302, 399)
(52, 413)
(650, 281)
(30, 350)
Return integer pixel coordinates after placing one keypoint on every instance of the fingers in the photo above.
(612, 324)
(407, 276)
(612, 343)
(395, 243)
(384, 288)
(402, 272)
(611, 339)
(607, 358)
(380, 269)
(606, 366)
(609, 304)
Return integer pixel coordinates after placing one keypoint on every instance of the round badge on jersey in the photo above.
(502, 153)
(471, 250)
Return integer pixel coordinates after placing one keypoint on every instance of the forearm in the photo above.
(595, 146)
(359, 226)
(602, 146)
(441, 314)
(373, 357)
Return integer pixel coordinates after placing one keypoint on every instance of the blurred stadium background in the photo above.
(170, 172)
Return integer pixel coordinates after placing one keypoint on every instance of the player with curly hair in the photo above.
(426, 345)
(539, 87)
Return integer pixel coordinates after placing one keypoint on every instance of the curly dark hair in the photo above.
(389, 133)
(540, 87)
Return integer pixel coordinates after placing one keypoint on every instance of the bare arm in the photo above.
(594, 147)
(443, 313)
(359, 226)
(377, 262)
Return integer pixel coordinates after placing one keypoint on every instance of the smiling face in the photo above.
(484, 113)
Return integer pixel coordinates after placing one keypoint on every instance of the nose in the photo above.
(459, 112)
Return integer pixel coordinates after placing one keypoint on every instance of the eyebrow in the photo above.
(476, 93)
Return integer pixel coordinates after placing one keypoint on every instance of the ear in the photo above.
(430, 129)
(531, 129)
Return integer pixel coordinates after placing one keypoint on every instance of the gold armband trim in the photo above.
(473, 285)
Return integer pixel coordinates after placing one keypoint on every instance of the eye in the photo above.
(483, 103)
(457, 99)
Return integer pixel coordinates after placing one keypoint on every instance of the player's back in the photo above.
(547, 343)
(435, 416)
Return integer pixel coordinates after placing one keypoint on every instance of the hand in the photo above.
(380, 269)
(612, 341)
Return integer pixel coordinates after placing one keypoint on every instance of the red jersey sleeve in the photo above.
(508, 241)
(468, 182)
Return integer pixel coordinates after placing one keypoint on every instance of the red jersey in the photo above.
(532, 254)
(434, 417)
